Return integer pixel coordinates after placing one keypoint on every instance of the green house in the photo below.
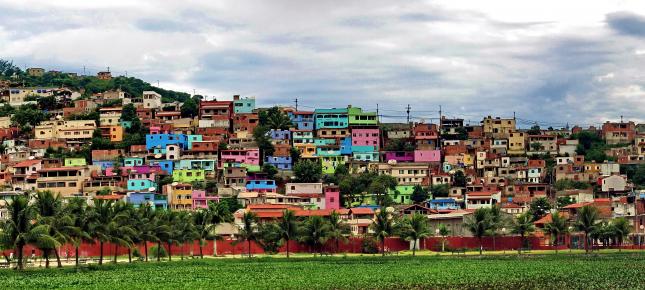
(358, 117)
(74, 162)
(188, 175)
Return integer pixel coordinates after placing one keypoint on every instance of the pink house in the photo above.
(200, 199)
(332, 197)
(143, 172)
(247, 156)
(399, 156)
(427, 155)
(366, 137)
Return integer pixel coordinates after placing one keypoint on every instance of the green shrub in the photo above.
(162, 252)
(136, 253)
(369, 245)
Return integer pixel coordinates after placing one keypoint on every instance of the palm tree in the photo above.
(314, 233)
(248, 232)
(496, 222)
(383, 227)
(586, 222)
(622, 229)
(338, 229)
(162, 230)
(149, 227)
(49, 208)
(556, 228)
(415, 227)
(219, 213)
(523, 226)
(288, 227)
(185, 230)
(77, 209)
(479, 225)
(119, 229)
(203, 228)
(443, 232)
(101, 217)
(18, 229)
(278, 120)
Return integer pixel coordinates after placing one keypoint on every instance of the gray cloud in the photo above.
(627, 23)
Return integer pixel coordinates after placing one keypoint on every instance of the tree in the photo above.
(338, 229)
(535, 130)
(49, 210)
(563, 184)
(536, 146)
(523, 226)
(586, 222)
(78, 210)
(459, 179)
(415, 227)
(314, 232)
(269, 238)
(149, 227)
(479, 225)
(249, 232)
(307, 171)
(440, 190)
(275, 118)
(189, 109)
(539, 208)
(186, 232)
(622, 228)
(119, 230)
(639, 175)
(556, 227)
(563, 201)
(270, 170)
(443, 232)
(102, 217)
(203, 227)
(28, 115)
(383, 227)
(129, 113)
(288, 227)
(496, 222)
(380, 186)
(18, 230)
(419, 194)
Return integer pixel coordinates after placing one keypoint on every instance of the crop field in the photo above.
(604, 271)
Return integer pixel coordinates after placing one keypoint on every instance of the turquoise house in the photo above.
(141, 184)
(243, 106)
(331, 118)
(205, 164)
(132, 161)
(193, 138)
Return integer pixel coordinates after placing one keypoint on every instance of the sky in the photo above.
(551, 62)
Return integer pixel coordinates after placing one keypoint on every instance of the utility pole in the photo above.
(440, 118)
(84, 71)
(408, 112)
(296, 100)
(378, 117)
(108, 68)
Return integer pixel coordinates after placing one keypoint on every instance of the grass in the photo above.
(597, 271)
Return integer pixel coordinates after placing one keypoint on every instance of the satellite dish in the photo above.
(157, 155)
(174, 183)
(152, 189)
(32, 157)
(391, 162)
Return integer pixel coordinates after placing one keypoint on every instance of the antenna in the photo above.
(296, 101)
(408, 112)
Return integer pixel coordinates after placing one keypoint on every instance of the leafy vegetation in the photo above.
(615, 271)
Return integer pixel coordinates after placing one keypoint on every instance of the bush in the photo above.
(153, 252)
(136, 253)
(369, 245)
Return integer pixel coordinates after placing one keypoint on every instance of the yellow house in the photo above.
(109, 116)
(180, 196)
(517, 143)
(5, 122)
(307, 150)
(76, 129)
(116, 133)
(498, 127)
(65, 181)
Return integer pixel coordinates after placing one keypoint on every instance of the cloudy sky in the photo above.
(555, 62)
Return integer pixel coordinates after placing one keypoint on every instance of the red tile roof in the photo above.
(26, 163)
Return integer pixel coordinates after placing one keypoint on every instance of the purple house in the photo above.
(280, 134)
(427, 155)
(399, 156)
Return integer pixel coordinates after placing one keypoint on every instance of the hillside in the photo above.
(86, 84)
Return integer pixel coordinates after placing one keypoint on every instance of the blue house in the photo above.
(263, 185)
(156, 201)
(283, 163)
(193, 138)
(140, 184)
(133, 161)
(346, 146)
(167, 165)
(366, 156)
(280, 134)
(159, 141)
(443, 204)
(205, 164)
(243, 106)
(104, 164)
(303, 120)
(331, 118)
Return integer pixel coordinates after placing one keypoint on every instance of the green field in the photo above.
(604, 271)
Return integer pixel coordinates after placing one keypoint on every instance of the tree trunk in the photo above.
(129, 255)
(201, 251)
(443, 245)
(414, 249)
(586, 244)
(556, 244)
(249, 247)
(383, 247)
(76, 252)
(494, 246)
(46, 254)
(60, 265)
(158, 251)
(481, 246)
(287, 248)
(116, 250)
(145, 249)
(182, 251)
(337, 245)
(169, 251)
(19, 252)
(101, 253)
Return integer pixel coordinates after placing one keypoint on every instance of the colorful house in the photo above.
(245, 156)
(188, 175)
(331, 118)
(160, 141)
(73, 162)
(427, 156)
(201, 199)
(332, 197)
(282, 163)
(302, 137)
(399, 156)
(141, 185)
(205, 164)
(443, 204)
(156, 201)
(359, 118)
(244, 105)
(193, 138)
(303, 120)
(261, 185)
(132, 161)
